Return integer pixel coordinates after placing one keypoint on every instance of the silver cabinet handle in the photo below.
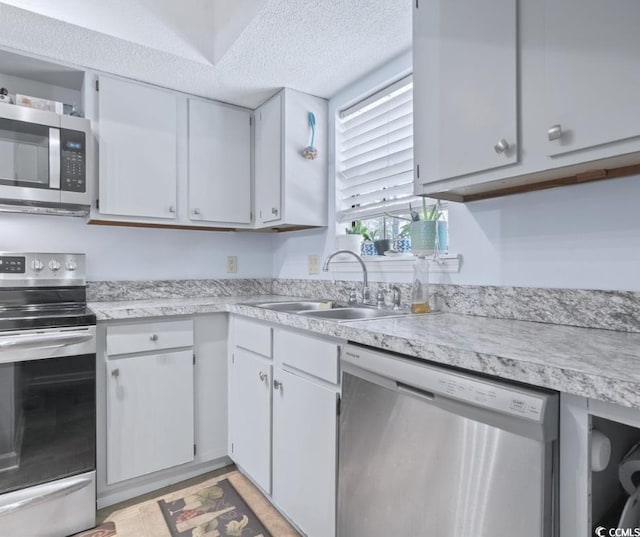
(196, 211)
(115, 373)
(263, 376)
(277, 385)
(554, 132)
(501, 146)
(172, 209)
(274, 210)
(154, 337)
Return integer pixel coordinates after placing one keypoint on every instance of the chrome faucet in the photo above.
(366, 293)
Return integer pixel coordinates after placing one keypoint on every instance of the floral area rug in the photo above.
(214, 511)
(215, 506)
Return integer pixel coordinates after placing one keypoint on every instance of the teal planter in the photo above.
(423, 237)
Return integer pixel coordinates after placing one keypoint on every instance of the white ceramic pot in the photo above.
(349, 242)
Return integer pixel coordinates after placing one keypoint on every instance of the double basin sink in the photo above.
(326, 309)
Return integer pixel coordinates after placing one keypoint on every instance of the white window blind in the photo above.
(375, 155)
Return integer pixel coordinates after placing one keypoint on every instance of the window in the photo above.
(374, 162)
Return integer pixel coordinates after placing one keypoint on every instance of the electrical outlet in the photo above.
(232, 263)
(314, 264)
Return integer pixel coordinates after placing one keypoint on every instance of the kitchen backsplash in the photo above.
(611, 310)
(108, 291)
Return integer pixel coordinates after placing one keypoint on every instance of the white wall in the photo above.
(292, 249)
(585, 236)
(120, 253)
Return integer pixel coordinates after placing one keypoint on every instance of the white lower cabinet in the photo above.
(305, 452)
(149, 414)
(250, 415)
(162, 403)
(283, 420)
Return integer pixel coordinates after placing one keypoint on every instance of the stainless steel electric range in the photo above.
(47, 396)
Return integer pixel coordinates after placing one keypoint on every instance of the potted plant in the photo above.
(402, 242)
(384, 244)
(352, 240)
(426, 229)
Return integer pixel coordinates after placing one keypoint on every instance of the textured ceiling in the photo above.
(242, 56)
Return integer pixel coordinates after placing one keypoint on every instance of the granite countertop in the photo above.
(596, 363)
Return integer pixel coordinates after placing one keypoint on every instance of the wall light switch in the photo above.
(314, 264)
(232, 263)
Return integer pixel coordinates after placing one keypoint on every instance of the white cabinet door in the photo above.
(250, 415)
(592, 72)
(465, 87)
(268, 161)
(149, 414)
(137, 150)
(304, 453)
(219, 163)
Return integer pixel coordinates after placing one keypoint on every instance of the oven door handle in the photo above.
(57, 491)
(43, 341)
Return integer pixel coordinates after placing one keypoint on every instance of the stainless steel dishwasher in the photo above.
(426, 451)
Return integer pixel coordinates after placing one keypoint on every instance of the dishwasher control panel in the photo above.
(488, 394)
(431, 381)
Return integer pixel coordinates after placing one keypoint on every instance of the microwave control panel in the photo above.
(73, 162)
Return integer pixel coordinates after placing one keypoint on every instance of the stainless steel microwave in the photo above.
(44, 161)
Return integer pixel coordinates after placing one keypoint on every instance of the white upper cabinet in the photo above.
(290, 190)
(508, 100)
(137, 150)
(268, 163)
(465, 87)
(592, 73)
(219, 163)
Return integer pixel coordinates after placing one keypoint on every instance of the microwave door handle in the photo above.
(54, 159)
(42, 342)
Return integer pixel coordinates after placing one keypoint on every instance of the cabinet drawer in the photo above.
(252, 335)
(142, 337)
(315, 356)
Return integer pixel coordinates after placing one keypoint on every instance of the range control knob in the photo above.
(54, 265)
(71, 265)
(37, 265)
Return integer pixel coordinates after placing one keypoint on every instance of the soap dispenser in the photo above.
(420, 289)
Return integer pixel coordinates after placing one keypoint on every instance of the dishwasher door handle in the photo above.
(412, 390)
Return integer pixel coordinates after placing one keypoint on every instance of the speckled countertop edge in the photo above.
(595, 363)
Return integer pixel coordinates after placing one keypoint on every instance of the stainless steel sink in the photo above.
(352, 313)
(297, 306)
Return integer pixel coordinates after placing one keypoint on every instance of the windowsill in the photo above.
(381, 263)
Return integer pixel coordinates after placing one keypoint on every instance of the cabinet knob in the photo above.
(274, 210)
(154, 337)
(554, 132)
(277, 385)
(196, 211)
(172, 209)
(263, 376)
(501, 146)
(115, 373)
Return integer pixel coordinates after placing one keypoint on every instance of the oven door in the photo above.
(47, 406)
(29, 154)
